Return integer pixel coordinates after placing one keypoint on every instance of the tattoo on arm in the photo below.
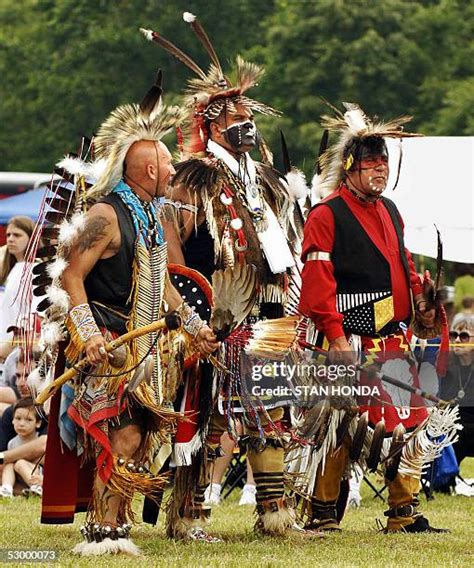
(94, 231)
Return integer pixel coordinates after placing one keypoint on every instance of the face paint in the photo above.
(241, 134)
(372, 162)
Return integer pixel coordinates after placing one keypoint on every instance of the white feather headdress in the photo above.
(352, 125)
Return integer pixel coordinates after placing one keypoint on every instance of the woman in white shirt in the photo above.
(12, 271)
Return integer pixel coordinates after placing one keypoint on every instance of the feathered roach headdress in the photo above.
(208, 94)
(149, 120)
(81, 180)
(354, 128)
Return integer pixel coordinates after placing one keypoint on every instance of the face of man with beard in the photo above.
(235, 131)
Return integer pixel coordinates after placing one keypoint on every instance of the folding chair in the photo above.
(236, 472)
(378, 492)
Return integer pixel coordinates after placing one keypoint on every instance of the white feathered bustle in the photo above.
(297, 187)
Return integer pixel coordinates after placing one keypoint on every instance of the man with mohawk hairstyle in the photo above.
(361, 291)
(115, 281)
(230, 209)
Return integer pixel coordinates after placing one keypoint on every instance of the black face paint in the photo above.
(241, 134)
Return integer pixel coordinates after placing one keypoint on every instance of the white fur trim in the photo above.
(277, 523)
(34, 382)
(69, 230)
(95, 170)
(47, 381)
(317, 190)
(51, 333)
(188, 17)
(184, 451)
(297, 187)
(80, 546)
(107, 546)
(355, 120)
(147, 33)
(58, 297)
(56, 268)
(74, 166)
(67, 233)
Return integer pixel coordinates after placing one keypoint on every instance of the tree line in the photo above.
(65, 64)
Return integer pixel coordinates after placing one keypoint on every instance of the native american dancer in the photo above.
(105, 277)
(229, 211)
(361, 291)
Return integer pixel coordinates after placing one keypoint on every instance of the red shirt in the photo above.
(318, 289)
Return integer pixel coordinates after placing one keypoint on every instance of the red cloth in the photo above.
(103, 409)
(186, 429)
(318, 290)
(67, 484)
(92, 413)
(394, 347)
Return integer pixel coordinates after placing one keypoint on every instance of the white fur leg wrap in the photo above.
(276, 523)
(107, 546)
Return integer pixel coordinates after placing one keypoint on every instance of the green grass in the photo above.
(358, 545)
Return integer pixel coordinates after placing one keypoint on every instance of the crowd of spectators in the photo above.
(22, 432)
(22, 429)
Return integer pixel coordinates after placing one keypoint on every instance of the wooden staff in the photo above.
(404, 386)
(171, 321)
(391, 380)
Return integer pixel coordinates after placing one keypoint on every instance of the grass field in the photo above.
(358, 545)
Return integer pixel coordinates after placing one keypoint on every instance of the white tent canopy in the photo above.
(436, 187)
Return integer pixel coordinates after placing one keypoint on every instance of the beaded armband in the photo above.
(192, 323)
(84, 322)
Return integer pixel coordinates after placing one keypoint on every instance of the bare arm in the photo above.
(205, 339)
(99, 240)
(31, 451)
(173, 243)
(187, 220)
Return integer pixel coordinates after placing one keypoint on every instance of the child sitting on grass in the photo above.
(26, 423)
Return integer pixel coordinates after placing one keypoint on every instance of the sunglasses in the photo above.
(463, 336)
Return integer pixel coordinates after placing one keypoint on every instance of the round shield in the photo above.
(194, 288)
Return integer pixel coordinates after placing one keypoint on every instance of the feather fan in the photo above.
(235, 292)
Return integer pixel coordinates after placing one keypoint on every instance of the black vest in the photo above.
(109, 283)
(198, 251)
(362, 273)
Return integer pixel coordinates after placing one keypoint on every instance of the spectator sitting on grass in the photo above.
(31, 451)
(26, 423)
